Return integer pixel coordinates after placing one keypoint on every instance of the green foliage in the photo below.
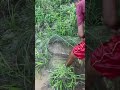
(60, 17)
(16, 44)
(54, 19)
(63, 78)
(41, 50)
(42, 55)
(93, 14)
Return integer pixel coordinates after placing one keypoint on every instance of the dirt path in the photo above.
(42, 83)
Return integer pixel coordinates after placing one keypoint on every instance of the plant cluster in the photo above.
(63, 78)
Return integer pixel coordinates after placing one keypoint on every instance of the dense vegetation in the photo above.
(55, 20)
(16, 44)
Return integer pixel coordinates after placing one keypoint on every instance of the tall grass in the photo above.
(16, 44)
(93, 14)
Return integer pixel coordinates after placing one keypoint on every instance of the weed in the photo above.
(63, 78)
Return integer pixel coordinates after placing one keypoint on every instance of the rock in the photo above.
(56, 61)
(59, 48)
